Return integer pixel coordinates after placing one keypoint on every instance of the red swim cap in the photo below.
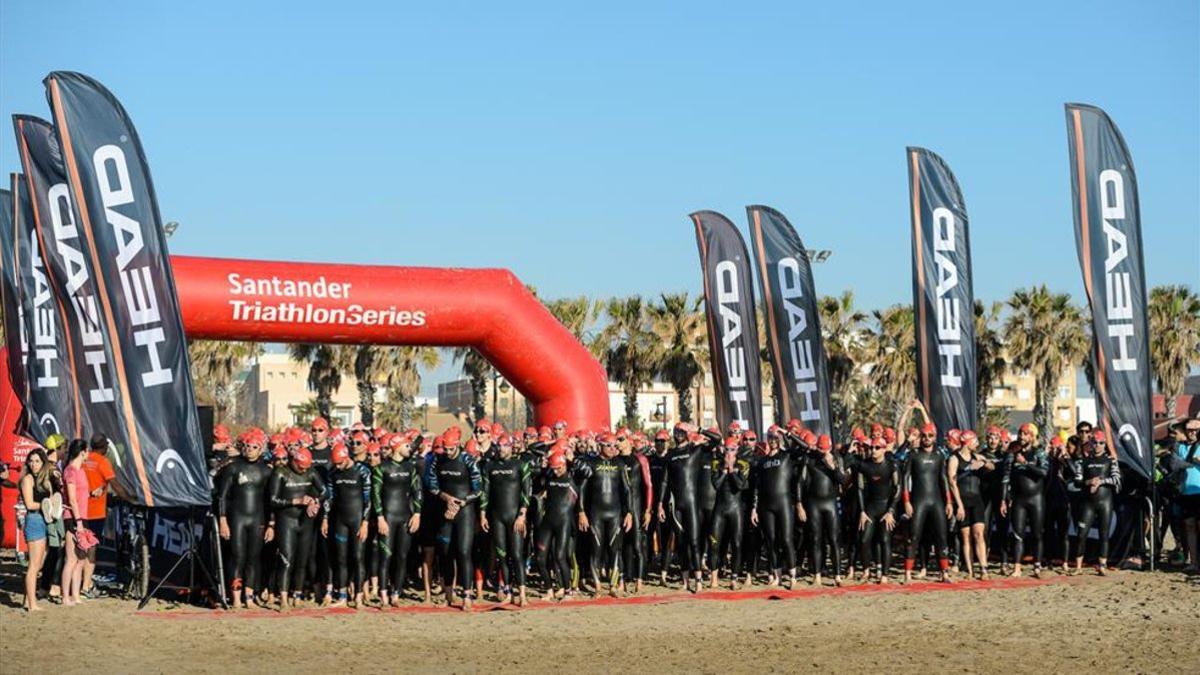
(824, 443)
(221, 434)
(279, 452)
(557, 460)
(339, 453)
(731, 443)
(929, 428)
(319, 423)
(662, 435)
(808, 438)
(969, 437)
(302, 458)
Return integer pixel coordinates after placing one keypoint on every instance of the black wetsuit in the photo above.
(660, 530)
(348, 506)
(1095, 508)
(776, 493)
(706, 500)
(507, 490)
(396, 496)
(604, 497)
(641, 495)
(679, 500)
(878, 492)
(1025, 488)
(242, 502)
(927, 489)
(320, 557)
(818, 491)
(459, 478)
(728, 516)
(294, 529)
(970, 490)
(553, 537)
(993, 494)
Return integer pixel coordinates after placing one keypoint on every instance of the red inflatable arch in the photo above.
(488, 309)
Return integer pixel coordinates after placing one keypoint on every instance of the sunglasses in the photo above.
(373, 454)
(482, 431)
(356, 443)
(925, 436)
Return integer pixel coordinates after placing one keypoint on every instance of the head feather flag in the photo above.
(71, 279)
(121, 229)
(1108, 236)
(943, 298)
(14, 329)
(796, 350)
(51, 401)
(732, 321)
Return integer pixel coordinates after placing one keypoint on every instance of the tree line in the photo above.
(871, 355)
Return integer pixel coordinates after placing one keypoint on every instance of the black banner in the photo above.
(51, 403)
(796, 349)
(10, 295)
(71, 280)
(732, 324)
(1108, 236)
(943, 299)
(121, 227)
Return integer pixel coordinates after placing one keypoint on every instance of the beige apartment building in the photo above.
(276, 388)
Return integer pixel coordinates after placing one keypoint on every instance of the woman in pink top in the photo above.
(75, 499)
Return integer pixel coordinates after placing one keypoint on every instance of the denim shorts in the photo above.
(35, 526)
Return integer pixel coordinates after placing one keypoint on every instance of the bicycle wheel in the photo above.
(140, 583)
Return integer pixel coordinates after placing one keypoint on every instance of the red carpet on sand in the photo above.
(659, 599)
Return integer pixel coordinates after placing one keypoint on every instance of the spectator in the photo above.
(55, 534)
(1184, 466)
(100, 478)
(35, 487)
(75, 496)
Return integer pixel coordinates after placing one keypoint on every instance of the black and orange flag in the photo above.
(943, 297)
(121, 230)
(796, 349)
(732, 321)
(1108, 236)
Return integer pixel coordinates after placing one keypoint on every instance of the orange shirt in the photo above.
(99, 474)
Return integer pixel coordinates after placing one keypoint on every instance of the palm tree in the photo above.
(477, 369)
(990, 364)
(679, 325)
(892, 351)
(214, 364)
(306, 410)
(842, 333)
(1174, 318)
(576, 314)
(1045, 334)
(326, 363)
(400, 373)
(629, 349)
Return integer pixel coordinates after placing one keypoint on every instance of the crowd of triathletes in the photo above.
(355, 516)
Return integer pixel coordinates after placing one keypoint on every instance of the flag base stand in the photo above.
(193, 558)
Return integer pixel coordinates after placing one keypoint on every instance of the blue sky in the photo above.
(569, 142)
